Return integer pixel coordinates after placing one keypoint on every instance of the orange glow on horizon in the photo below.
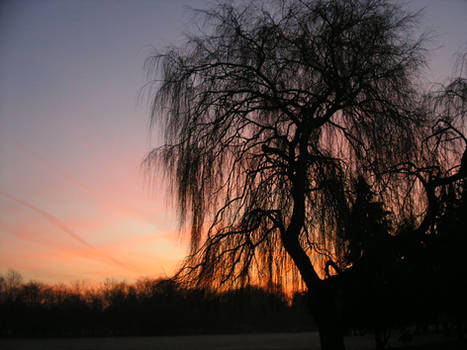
(92, 235)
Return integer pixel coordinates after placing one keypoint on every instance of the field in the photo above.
(282, 341)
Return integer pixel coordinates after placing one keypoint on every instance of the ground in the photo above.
(274, 341)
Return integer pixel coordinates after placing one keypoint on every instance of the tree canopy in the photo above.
(268, 118)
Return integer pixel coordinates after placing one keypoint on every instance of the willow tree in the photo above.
(269, 115)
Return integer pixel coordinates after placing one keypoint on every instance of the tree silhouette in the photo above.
(368, 228)
(148, 307)
(269, 117)
(445, 186)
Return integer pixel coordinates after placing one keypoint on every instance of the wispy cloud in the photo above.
(64, 228)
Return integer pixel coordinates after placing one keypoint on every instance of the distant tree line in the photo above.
(146, 307)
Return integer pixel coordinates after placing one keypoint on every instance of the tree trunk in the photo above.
(324, 307)
(322, 294)
(381, 339)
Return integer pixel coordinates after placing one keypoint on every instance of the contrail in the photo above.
(54, 220)
(57, 222)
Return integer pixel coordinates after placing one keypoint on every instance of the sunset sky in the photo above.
(74, 203)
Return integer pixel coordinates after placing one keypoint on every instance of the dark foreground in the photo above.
(279, 341)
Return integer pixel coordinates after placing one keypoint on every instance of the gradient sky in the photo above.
(74, 204)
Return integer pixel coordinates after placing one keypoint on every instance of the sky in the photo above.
(74, 202)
